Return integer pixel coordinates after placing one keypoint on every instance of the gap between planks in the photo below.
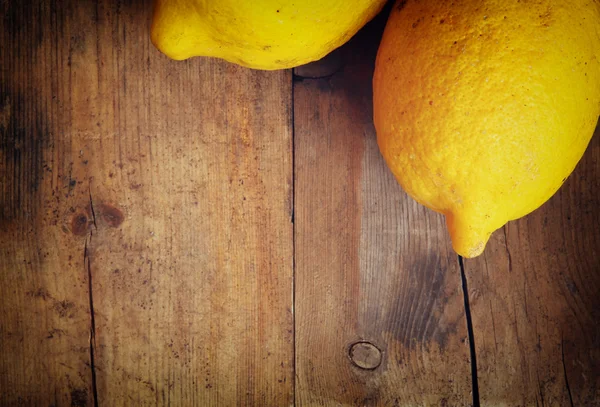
(471, 333)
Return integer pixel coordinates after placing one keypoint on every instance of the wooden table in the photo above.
(196, 233)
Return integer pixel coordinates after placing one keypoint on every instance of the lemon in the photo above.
(261, 34)
(484, 107)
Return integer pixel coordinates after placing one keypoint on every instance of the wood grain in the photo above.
(535, 299)
(372, 266)
(44, 298)
(161, 188)
(150, 223)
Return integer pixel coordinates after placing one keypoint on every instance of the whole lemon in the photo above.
(261, 34)
(484, 107)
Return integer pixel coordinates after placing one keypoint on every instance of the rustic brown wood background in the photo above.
(196, 233)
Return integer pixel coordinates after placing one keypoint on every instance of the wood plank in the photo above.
(44, 301)
(535, 300)
(379, 307)
(179, 176)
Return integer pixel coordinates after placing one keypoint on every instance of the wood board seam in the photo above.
(471, 334)
(293, 220)
(562, 351)
(88, 266)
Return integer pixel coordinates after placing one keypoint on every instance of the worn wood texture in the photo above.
(44, 302)
(149, 223)
(535, 300)
(378, 300)
(155, 194)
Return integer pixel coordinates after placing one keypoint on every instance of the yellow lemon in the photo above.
(261, 34)
(484, 107)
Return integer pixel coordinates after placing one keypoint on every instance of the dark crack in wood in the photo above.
(87, 265)
(474, 378)
(507, 250)
(92, 208)
(562, 351)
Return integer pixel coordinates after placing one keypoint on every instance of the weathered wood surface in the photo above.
(44, 301)
(162, 188)
(535, 299)
(371, 264)
(162, 196)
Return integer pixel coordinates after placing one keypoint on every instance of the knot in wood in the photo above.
(365, 355)
(111, 215)
(79, 224)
